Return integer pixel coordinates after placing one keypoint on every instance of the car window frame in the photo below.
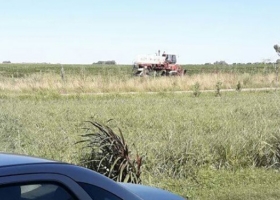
(61, 180)
(83, 185)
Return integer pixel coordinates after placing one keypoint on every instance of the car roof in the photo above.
(15, 164)
(7, 159)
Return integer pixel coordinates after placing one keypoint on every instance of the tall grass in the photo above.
(179, 133)
(96, 84)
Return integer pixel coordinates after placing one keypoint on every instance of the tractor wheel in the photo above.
(163, 73)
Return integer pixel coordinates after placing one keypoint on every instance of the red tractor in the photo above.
(164, 65)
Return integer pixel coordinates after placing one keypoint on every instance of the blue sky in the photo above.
(86, 31)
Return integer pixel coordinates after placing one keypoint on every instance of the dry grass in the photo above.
(98, 83)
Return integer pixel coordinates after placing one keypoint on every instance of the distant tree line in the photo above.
(108, 62)
(222, 63)
(6, 61)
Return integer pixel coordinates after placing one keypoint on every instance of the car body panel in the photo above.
(15, 159)
(11, 167)
(78, 174)
(151, 193)
(15, 169)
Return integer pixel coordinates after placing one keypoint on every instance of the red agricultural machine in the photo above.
(164, 65)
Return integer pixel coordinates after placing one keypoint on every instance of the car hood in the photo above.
(150, 193)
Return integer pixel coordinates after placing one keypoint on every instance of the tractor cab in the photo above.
(170, 58)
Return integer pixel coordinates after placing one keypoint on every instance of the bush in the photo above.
(196, 89)
(218, 89)
(238, 86)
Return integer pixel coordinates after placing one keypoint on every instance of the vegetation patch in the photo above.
(109, 154)
(206, 147)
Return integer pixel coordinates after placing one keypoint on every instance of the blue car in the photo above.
(29, 178)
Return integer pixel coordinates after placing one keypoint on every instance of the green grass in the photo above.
(251, 184)
(239, 68)
(206, 147)
(22, 70)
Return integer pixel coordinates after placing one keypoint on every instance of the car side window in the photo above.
(35, 191)
(97, 193)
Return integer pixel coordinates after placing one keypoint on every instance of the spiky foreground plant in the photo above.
(109, 154)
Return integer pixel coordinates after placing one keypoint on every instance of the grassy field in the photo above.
(21, 70)
(202, 147)
(39, 78)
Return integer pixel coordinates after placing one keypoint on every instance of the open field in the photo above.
(203, 147)
(52, 83)
(19, 70)
(21, 78)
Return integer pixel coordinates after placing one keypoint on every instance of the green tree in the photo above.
(222, 62)
(277, 48)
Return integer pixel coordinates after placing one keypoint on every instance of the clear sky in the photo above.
(86, 31)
